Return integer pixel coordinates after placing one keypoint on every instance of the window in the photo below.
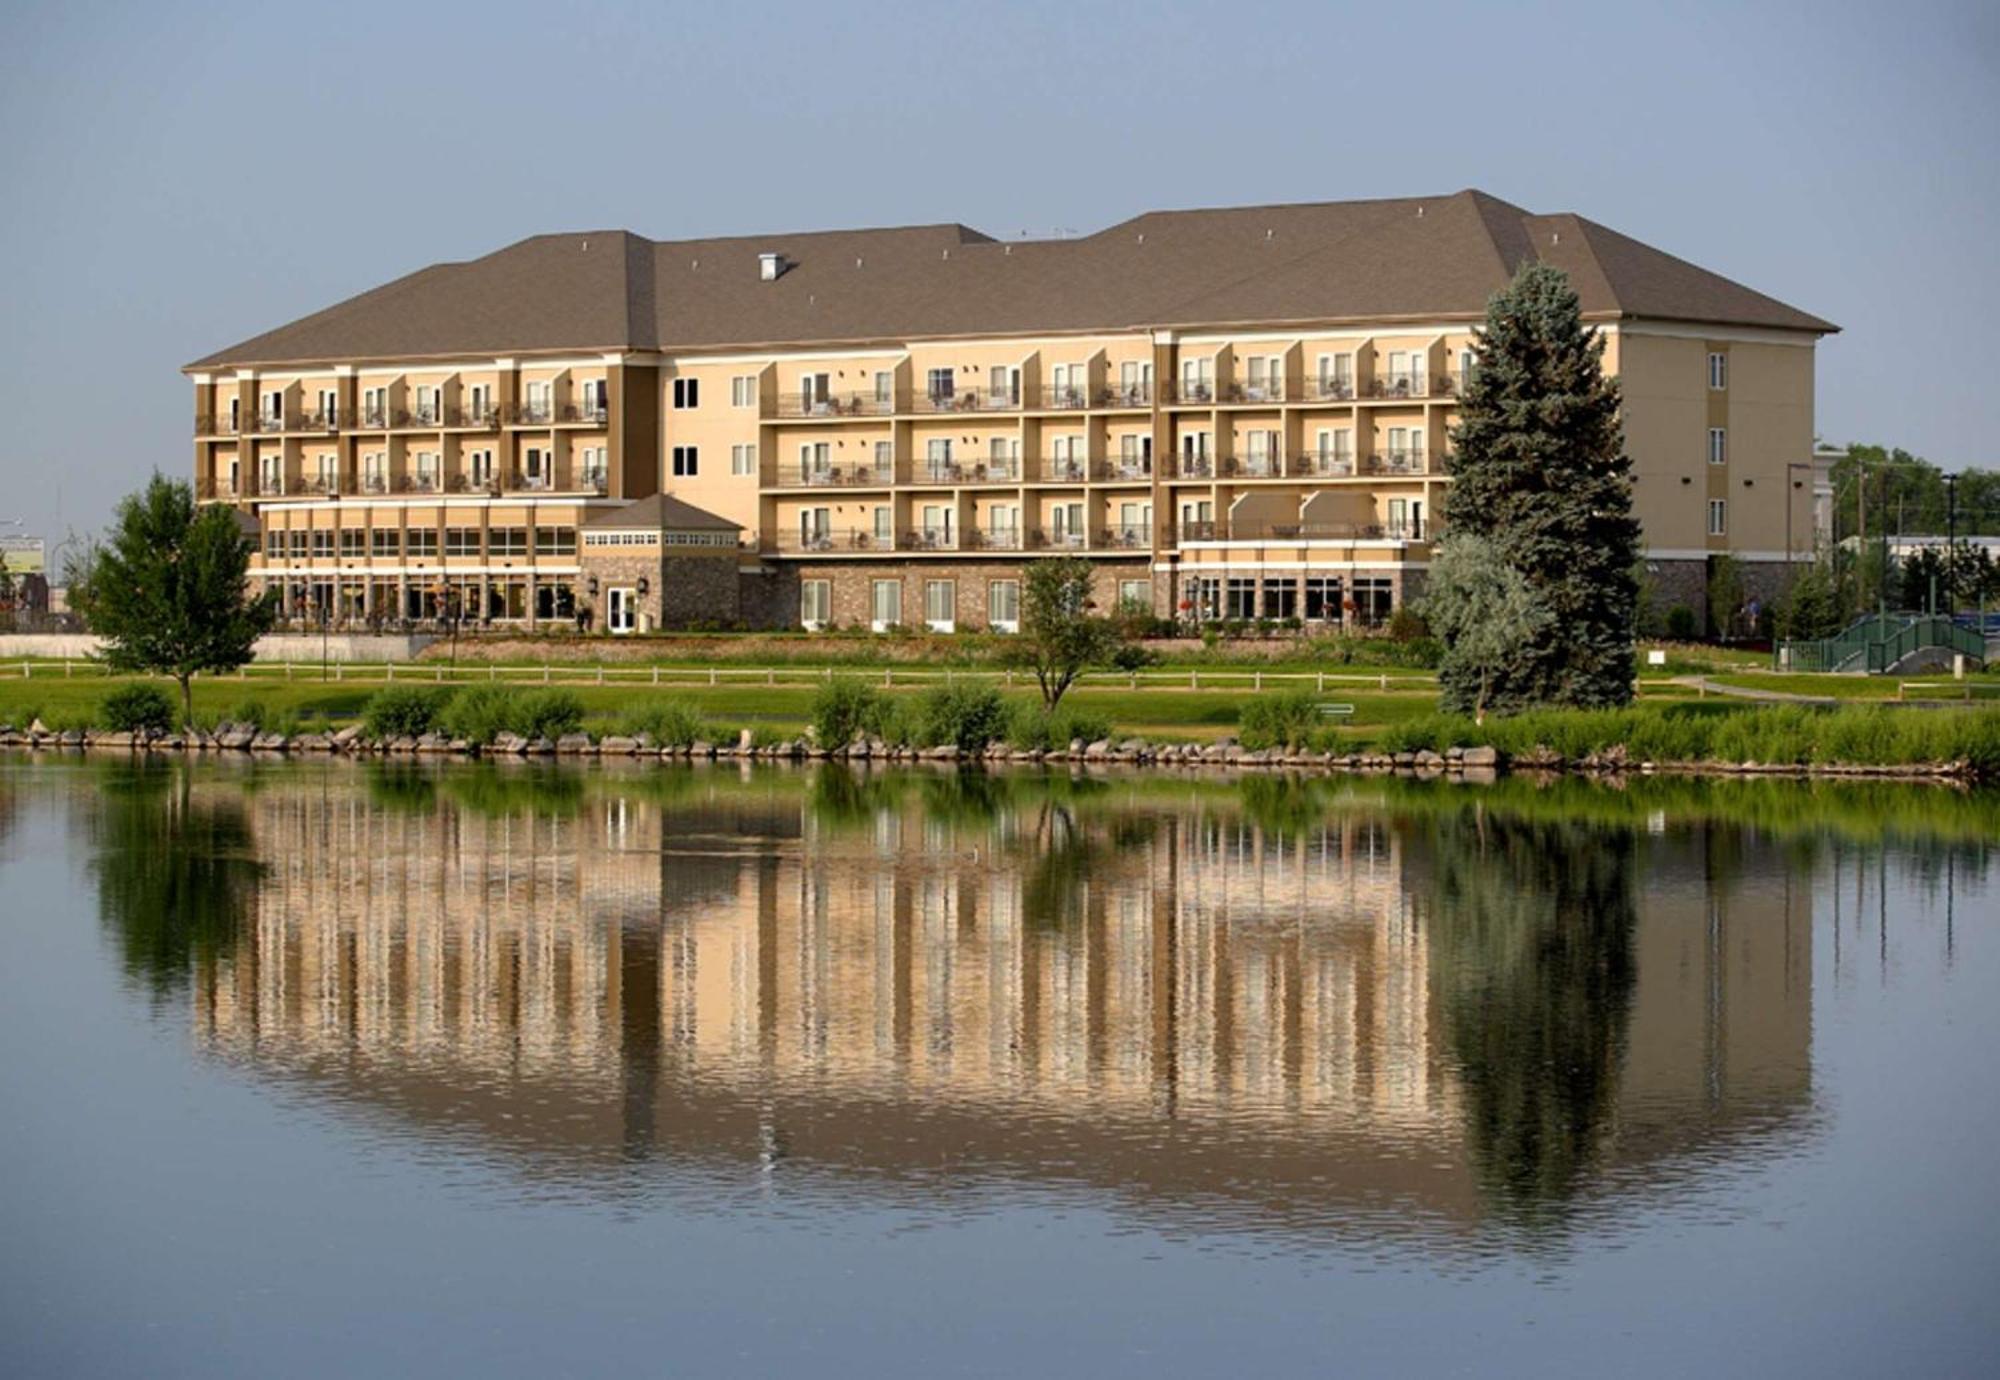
(1003, 605)
(274, 545)
(328, 470)
(329, 407)
(594, 400)
(593, 469)
(1322, 599)
(537, 467)
(815, 603)
(1281, 598)
(375, 473)
(274, 410)
(742, 461)
(1197, 380)
(743, 390)
(1070, 385)
(1718, 370)
(298, 543)
(940, 385)
(687, 462)
(1372, 598)
(555, 541)
(420, 542)
(886, 603)
(1240, 598)
(541, 396)
(885, 459)
(1336, 376)
(1718, 446)
(885, 391)
(815, 462)
(235, 414)
(270, 474)
(461, 541)
(385, 542)
(428, 410)
(1718, 517)
(353, 542)
(374, 407)
(507, 541)
(479, 465)
(885, 527)
(815, 528)
(1135, 594)
(937, 456)
(322, 541)
(687, 393)
(940, 604)
(1266, 377)
(481, 406)
(815, 393)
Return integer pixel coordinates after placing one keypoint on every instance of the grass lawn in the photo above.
(1866, 688)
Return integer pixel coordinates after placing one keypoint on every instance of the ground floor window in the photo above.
(1203, 599)
(1281, 598)
(886, 604)
(940, 604)
(556, 601)
(1003, 605)
(1323, 594)
(1135, 594)
(1240, 603)
(1372, 599)
(815, 603)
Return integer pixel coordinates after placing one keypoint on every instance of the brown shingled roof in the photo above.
(662, 513)
(1347, 261)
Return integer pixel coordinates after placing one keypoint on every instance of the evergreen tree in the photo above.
(167, 592)
(1540, 471)
(1812, 607)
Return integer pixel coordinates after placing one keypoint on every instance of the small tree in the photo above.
(167, 592)
(1812, 605)
(1725, 595)
(1485, 611)
(1060, 638)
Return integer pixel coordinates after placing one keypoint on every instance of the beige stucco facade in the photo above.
(1273, 472)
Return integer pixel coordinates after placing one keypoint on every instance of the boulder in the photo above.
(1481, 757)
(346, 737)
(619, 746)
(573, 744)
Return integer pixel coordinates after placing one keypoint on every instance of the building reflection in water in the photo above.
(1215, 1006)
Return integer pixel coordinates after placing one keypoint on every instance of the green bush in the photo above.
(546, 714)
(968, 717)
(842, 710)
(404, 711)
(1682, 625)
(667, 723)
(1030, 726)
(1279, 718)
(251, 712)
(478, 713)
(137, 708)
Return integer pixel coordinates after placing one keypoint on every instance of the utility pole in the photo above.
(1950, 545)
(1860, 532)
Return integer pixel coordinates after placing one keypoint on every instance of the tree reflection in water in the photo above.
(176, 869)
(1533, 929)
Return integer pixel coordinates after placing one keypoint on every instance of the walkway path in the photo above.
(1743, 692)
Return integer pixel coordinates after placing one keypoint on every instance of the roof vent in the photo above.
(1420, 213)
(1555, 237)
(770, 267)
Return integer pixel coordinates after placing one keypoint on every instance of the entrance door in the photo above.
(622, 614)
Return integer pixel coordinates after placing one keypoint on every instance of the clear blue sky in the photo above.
(178, 177)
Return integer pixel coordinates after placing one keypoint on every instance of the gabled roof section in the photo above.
(1327, 262)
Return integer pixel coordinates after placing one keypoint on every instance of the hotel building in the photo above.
(1235, 413)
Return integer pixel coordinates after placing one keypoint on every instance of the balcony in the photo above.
(1123, 538)
(374, 419)
(317, 421)
(1200, 466)
(1122, 470)
(1330, 389)
(1409, 385)
(220, 425)
(268, 422)
(834, 405)
(531, 414)
(1270, 465)
(208, 487)
(483, 418)
(834, 541)
(1064, 397)
(1138, 394)
(1063, 469)
(1006, 470)
(992, 539)
(932, 538)
(1323, 464)
(321, 486)
(1190, 392)
(1409, 460)
(1058, 539)
(1295, 531)
(970, 400)
(839, 476)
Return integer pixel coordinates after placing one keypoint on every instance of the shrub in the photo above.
(667, 723)
(1030, 726)
(478, 713)
(404, 711)
(966, 716)
(843, 710)
(546, 714)
(1278, 718)
(1681, 623)
(1132, 657)
(1407, 625)
(251, 712)
(137, 709)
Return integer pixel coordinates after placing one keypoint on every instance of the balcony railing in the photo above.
(374, 419)
(475, 418)
(1058, 539)
(418, 484)
(473, 484)
(1322, 464)
(1408, 385)
(1065, 397)
(1225, 530)
(1270, 465)
(1132, 537)
(1120, 470)
(834, 540)
(932, 538)
(531, 414)
(992, 539)
(1064, 469)
(1187, 391)
(1195, 467)
(1125, 395)
(1409, 460)
(967, 400)
(840, 476)
(269, 421)
(214, 426)
(1328, 389)
(835, 405)
(324, 485)
(1006, 470)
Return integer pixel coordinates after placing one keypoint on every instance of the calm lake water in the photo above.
(325, 1068)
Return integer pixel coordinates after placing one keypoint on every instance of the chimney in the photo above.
(771, 266)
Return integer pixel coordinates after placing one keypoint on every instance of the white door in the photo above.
(623, 611)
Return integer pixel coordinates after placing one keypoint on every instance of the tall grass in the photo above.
(1773, 735)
